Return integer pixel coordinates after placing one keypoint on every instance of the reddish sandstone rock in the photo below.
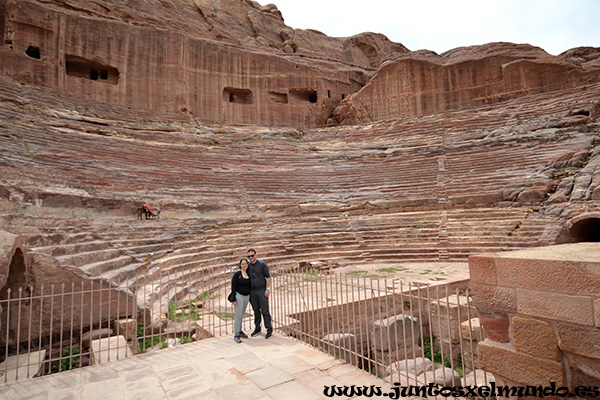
(422, 83)
(230, 61)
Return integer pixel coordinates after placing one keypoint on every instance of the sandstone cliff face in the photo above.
(236, 62)
(223, 61)
(422, 83)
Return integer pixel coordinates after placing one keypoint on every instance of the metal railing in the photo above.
(383, 326)
(380, 325)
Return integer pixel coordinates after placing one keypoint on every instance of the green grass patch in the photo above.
(358, 272)
(207, 296)
(429, 348)
(147, 342)
(224, 315)
(391, 270)
(72, 357)
(189, 312)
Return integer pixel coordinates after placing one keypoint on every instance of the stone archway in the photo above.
(583, 228)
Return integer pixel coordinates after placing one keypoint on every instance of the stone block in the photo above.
(478, 377)
(482, 269)
(494, 297)
(395, 332)
(535, 337)
(201, 332)
(127, 327)
(581, 340)
(410, 367)
(343, 345)
(447, 315)
(23, 366)
(389, 357)
(563, 307)
(560, 276)
(584, 371)
(519, 367)
(472, 330)
(110, 349)
(496, 325)
(442, 376)
(95, 334)
(469, 355)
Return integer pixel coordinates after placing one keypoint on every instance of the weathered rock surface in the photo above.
(397, 332)
(200, 60)
(106, 106)
(237, 62)
(413, 84)
(415, 366)
(442, 376)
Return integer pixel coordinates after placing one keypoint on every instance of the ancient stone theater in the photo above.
(238, 131)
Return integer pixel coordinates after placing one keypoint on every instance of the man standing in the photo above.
(259, 293)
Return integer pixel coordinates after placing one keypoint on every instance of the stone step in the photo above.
(100, 268)
(90, 257)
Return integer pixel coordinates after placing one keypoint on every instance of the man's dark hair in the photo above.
(251, 250)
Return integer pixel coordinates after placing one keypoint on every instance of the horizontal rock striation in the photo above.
(420, 83)
(183, 62)
(436, 188)
(208, 113)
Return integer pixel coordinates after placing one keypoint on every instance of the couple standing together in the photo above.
(252, 283)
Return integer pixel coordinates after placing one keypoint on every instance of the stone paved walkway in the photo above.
(217, 368)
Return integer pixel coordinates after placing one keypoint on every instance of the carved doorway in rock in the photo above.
(583, 228)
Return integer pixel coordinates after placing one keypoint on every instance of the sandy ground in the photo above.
(416, 272)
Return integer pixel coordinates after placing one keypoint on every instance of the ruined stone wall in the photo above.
(541, 311)
(373, 326)
(41, 297)
(167, 72)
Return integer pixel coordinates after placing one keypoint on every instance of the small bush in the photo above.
(428, 347)
(72, 356)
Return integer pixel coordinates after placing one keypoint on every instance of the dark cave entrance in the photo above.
(17, 277)
(586, 230)
(80, 67)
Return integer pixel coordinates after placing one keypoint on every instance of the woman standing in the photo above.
(239, 297)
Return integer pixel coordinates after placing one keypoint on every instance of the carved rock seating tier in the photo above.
(358, 178)
(77, 162)
(480, 149)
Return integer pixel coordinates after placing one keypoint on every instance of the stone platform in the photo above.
(217, 368)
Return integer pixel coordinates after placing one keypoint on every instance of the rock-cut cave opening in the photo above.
(586, 230)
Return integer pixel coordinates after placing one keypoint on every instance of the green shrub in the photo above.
(72, 357)
(428, 347)
(147, 342)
